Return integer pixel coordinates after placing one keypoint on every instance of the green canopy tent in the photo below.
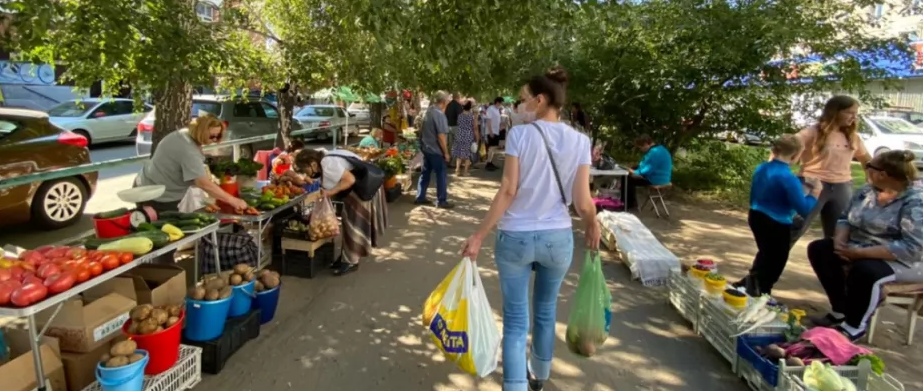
(372, 98)
(508, 99)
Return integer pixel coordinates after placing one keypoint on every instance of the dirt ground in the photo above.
(364, 332)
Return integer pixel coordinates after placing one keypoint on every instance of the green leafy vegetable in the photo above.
(878, 366)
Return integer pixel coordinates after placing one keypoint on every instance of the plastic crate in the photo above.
(767, 370)
(686, 297)
(715, 325)
(873, 382)
(237, 332)
(185, 374)
(300, 264)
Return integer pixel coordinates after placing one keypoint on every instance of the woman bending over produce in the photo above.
(363, 221)
(178, 163)
(879, 239)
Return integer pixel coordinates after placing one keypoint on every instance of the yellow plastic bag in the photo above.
(461, 323)
(482, 152)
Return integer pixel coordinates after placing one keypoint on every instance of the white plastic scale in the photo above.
(137, 195)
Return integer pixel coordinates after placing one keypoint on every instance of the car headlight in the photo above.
(912, 146)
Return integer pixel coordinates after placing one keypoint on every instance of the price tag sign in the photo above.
(109, 327)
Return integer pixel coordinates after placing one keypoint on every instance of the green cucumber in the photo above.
(187, 222)
(170, 215)
(187, 228)
(112, 214)
(147, 227)
(160, 223)
(159, 239)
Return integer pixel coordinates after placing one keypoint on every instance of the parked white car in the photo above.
(99, 120)
(318, 122)
(361, 112)
(884, 133)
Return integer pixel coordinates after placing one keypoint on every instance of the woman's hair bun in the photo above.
(909, 156)
(558, 74)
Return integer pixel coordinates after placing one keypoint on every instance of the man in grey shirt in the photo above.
(435, 151)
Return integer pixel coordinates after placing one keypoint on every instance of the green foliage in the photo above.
(678, 69)
(722, 169)
(878, 365)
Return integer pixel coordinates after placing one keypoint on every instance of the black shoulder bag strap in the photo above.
(554, 167)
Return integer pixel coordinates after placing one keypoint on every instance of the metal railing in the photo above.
(94, 167)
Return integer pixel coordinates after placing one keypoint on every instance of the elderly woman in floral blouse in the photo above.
(879, 238)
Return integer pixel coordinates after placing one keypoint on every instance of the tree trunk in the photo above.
(174, 109)
(286, 111)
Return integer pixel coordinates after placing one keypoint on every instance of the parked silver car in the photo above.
(243, 118)
(319, 121)
(361, 113)
(99, 120)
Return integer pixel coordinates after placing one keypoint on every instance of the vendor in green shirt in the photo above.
(373, 140)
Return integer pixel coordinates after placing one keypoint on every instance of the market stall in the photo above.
(38, 284)
(765, 342)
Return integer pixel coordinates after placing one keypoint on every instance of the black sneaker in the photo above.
(345, 268)
(826, 321)
(852, 337)
(337, 263)
(534, 384)
(445, 205)
(422, 202)
(490, 167)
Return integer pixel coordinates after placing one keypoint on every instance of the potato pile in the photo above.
(147, 319)
(323, 226)
(267, 280)
(121, 354)
(219, 287)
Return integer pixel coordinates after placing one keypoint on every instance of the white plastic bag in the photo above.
(193, 200)
(460, 321)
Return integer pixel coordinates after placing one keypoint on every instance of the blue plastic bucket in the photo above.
(126, 378)
(241, 299)
(205, 319)
(266, 302)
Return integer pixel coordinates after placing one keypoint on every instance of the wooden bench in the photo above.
(904, 295)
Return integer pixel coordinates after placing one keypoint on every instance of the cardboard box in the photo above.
(80, 368)
(86, 323)
(158, 284)
(19, 373)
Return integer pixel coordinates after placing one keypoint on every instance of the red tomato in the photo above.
(76, 252)
(48, 270)
(109, 262)
(17, 273)
(33, 258)
(5, 274)
(44, 249)
(126, 258)
(26, 267)
(95, 268)
(32, 279)
(58, 252)
(82, 274)
(60, 282)
(5, 292)
(29, 294)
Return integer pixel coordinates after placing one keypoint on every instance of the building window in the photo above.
(206, 12)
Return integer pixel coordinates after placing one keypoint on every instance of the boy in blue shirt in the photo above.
(776, 194)
(655, 168)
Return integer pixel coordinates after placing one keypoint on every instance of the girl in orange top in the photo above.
(829, 148)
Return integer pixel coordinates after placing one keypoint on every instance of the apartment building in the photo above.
(900, 18)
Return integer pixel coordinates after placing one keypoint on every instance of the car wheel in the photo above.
(85, 135)
(880, 151)
(59, 203)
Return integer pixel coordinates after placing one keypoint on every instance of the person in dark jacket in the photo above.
(452, 111)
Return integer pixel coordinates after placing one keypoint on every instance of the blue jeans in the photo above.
(433, 163)
(550, 252)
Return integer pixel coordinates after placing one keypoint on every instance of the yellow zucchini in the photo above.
(174, 232)
(135, 245)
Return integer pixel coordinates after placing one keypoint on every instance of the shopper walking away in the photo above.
(775, 196)
(547, 168)
(363, 221)
(879, 240)
(435, 151)
(493, 132)
(452, 111)
(466, 135)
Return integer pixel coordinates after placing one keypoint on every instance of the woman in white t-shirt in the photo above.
(363, 221)
(535, 228)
